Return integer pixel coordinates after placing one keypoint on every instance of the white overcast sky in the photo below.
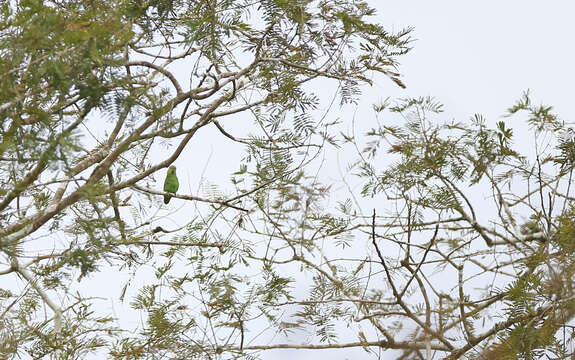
(478, 56)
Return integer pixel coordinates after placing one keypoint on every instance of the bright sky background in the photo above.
(475, 57)
(480, 56)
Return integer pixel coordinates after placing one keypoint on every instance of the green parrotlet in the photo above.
(171, 184)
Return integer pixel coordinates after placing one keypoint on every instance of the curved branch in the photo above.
(161, 70)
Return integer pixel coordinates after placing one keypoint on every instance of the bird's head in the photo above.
(172, 170)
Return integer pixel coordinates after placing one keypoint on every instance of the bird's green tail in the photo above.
(167, 199)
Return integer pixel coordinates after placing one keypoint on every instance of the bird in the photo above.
(171, 183)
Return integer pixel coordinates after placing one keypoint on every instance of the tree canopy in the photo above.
(443, 239)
